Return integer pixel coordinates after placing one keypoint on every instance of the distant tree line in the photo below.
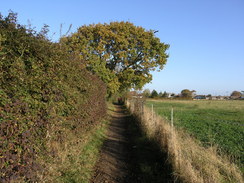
(154, 94)
(189, 94)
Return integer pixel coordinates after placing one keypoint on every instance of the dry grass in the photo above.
(74, 156)
(192, 163)
(75, 151)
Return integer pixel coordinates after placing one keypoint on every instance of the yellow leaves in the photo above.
(119, 46)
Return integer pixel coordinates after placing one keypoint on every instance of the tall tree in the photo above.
(187, 93)
(235, 94)
(165, 94)
(120, 53)
(154, 94)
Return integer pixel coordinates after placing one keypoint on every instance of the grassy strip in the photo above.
(80, 168)
(76, 156)
(212, 122)
(148, 161)
(191, 162)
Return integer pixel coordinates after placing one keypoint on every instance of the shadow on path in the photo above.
(127, 156)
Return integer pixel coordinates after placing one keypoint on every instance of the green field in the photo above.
(212, 122)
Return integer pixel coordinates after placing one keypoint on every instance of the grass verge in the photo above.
(218, 123)
(77, 163)
(149, 162)
(80, 168)
(191, 162)
(76, 157)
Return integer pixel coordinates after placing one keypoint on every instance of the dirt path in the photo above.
(120, 159)
(112, 165)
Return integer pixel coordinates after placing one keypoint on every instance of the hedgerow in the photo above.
(43, 89)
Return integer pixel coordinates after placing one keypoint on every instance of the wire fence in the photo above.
(191, 162)
(137, 107)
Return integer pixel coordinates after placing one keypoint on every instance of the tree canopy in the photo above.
(165, 94)
(235, 94)
(154, 94)
(187, 93)
(120, 53)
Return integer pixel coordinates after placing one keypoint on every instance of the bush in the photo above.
(43, 89)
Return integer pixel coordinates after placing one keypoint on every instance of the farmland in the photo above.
(212, 122)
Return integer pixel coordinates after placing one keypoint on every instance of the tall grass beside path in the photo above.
(219, 123)
(191, 162)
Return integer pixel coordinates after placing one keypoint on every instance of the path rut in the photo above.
(118, 160)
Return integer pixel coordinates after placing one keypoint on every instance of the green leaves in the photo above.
(121, 50)
(43, 90)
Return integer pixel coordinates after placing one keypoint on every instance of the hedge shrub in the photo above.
(43, 89)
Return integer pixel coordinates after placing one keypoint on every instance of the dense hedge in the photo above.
(42, 88)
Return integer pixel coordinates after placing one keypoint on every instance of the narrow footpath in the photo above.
(127, 156)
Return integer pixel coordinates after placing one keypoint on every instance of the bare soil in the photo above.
(127, 156)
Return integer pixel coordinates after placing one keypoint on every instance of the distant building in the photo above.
(226, 97)
(235, 97)
(220, 97)
(217, 97)
(170, 95)
(199, 97)
(134, 94)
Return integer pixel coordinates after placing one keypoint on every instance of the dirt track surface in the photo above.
(112, 166)
(118, 162)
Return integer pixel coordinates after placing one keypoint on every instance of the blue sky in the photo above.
(206, 37)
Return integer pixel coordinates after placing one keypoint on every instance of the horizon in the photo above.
(196, 93)
(206, 38)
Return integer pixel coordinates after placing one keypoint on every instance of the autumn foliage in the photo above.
(50, 93)
(43, 90)
(120, 53)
